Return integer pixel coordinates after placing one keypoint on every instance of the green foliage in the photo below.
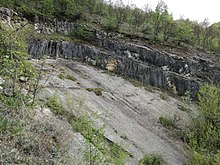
(97, 91)
(14, 65)
(152, 159)
(168, 121)
(25, 140)
(183, 31)
(83, 32)
(54, 105)
(16, 101)
(137, 19)
(164, 96)
(204, 135)
(47, 7)
(110, 23)
(13, 53)
(97, 145)
(158, 23)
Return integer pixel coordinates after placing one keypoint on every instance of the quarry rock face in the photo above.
(145, 64)
(53, 26)
(149, 66)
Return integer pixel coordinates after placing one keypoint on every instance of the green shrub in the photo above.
(84, 32)
(97, 91)
(70, 77)
(152, 159)
(168, 121)
(203, 136)
(164, 96)
(110, 23)
(66, 76)
(54, 105)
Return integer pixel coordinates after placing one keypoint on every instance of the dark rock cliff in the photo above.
(146, 65)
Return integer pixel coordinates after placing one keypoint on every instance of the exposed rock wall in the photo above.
(141, 63)
(54, 26)
(193, 67)
(145, 64)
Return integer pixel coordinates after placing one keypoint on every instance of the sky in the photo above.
(192, 9)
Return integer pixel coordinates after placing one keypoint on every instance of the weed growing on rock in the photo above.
(151, 159)
(169, 122)
(97, 91)
(66, 76)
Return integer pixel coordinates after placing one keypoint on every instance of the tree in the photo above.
(197, 32)
(161, 11)
(203, 137)
(120, 11)
(209, 35)
(47, 7)
(13, 54)
(184, 31)
(65, 7)
(138, 18)
(168, 26)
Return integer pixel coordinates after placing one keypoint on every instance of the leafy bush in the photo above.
(168, 121)
(151, 159)
(84, 32)
(204, 135)
(97, 91)
(54, 105)
(110, 23)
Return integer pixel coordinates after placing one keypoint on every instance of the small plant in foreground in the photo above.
(64, 76)
(97, 91)
(54, 105)
(203, 136)
(164, 96)
(152, 159)
(168, 121)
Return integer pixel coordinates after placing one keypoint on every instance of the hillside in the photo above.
(73, 92)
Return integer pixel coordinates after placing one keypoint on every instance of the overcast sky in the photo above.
(192, 9)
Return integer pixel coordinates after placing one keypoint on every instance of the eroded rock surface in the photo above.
(130, 113)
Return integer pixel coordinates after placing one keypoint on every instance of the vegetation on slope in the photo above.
(24, 138)
(203, 136)
(155, 25)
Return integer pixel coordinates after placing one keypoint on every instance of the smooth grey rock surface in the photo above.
(127, 111)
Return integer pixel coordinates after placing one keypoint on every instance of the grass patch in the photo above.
(97, 91)
(169, 122)
(152, 159)
(184, 108)
(124, 137)
(25, 140)
(66, 76)
(70, 77)
(54, 105)
(164, 96)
